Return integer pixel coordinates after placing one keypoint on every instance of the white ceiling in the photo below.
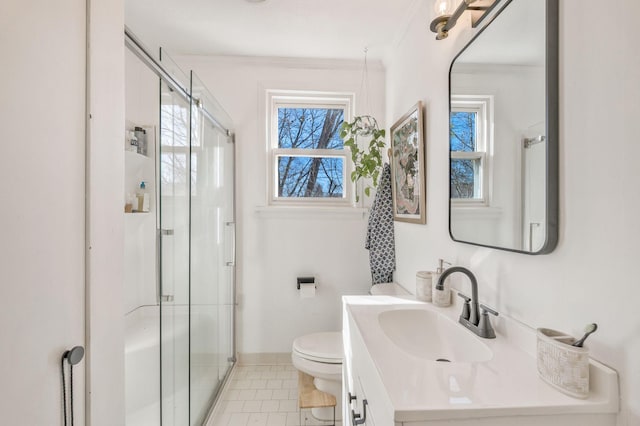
(338, 29)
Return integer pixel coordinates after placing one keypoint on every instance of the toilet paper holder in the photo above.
(306, 280)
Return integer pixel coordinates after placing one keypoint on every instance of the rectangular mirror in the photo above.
(503, 128)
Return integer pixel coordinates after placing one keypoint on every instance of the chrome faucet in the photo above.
(470, 316)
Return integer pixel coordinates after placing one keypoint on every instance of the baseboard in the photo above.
(264, 358)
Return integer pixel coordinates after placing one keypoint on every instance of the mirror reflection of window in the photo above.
(503, 93)
(470, 142)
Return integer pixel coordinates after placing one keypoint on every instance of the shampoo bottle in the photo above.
(441, 297)
(143, 198)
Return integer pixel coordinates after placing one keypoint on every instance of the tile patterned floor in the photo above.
(261, 395)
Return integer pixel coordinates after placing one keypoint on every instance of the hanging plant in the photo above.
(367, 162)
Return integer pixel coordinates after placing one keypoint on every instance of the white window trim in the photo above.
(483, 106)
(294, 98)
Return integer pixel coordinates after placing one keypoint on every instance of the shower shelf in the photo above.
(138, 168)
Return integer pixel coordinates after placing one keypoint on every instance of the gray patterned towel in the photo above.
(380, 241)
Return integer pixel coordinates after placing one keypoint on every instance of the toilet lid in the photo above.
(322, 347)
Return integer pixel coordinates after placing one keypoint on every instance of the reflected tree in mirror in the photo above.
(462, 138)
(503, 131)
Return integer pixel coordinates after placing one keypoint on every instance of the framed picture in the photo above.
(408, 167)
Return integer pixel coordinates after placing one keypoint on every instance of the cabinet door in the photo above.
(366, 382)
(354, 398)
(363, 407)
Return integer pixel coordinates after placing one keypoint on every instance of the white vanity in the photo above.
(415, 365)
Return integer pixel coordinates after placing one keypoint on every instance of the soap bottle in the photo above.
(143, 198)
(130, 203)
(441, 297)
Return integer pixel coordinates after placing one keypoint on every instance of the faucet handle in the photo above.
(486, 309)
(466, 298)
(466, 309)
(484, 326)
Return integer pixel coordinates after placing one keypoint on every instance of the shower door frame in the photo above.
(137, 48)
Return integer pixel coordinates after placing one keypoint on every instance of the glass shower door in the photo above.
(212, 255)
(174, 178)
(227, 279)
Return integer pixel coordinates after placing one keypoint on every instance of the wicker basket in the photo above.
(563, 366)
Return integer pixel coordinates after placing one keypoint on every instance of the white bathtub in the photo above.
(142, 366)
(209, 363)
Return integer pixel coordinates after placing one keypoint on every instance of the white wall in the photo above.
(105, 227)
(142, 106)
(589, 277)
(273, 248)
(42, 186)
(45, 256)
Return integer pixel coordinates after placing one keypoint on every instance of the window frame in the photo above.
(482, 105)
(306, 99)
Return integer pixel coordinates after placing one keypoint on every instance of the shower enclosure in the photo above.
(180, 346)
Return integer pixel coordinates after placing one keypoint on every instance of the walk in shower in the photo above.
(180, 254)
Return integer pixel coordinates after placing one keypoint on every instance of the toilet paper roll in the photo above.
(307, 290)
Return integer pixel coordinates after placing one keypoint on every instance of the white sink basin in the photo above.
(431, 336)
(391, 348)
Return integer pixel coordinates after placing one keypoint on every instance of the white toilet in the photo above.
(389, 289)
(320, 355)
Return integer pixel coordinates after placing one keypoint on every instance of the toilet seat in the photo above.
(323, 347)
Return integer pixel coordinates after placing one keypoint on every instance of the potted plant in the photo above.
(367, 162)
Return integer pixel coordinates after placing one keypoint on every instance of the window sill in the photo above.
(311, 212)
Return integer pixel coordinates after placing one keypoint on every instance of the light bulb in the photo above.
(443, 7)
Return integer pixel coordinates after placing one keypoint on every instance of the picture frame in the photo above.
(408, 167)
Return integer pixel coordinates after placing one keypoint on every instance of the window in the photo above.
(179, 151)
(308, 160)
(470, 139)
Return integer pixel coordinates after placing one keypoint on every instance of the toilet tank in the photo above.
(388, 289)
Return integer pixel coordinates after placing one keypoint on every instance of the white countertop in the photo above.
(507, 384)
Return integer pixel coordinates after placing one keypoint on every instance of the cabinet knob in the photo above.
(352, 397)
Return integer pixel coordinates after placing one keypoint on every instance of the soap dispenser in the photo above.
(441, 297)
(143, 198)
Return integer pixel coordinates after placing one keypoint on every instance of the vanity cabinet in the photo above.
(405, 387)
(362, 383)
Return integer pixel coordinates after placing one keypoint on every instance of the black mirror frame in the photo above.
(552, 128)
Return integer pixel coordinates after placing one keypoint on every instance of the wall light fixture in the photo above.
(446, 17)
